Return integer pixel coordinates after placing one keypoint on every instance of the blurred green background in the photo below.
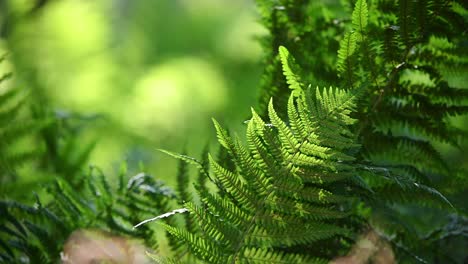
(140, 74)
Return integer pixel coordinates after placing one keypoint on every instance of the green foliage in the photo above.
(13, 129)
(286, 186)
(48, 142)
(359, 19)
(345, 55)
(318, 166)
(407, 114)
(31, 134)
(290, 70)
(293, 183)
(39, 232)
(308, 29)
(396, 103)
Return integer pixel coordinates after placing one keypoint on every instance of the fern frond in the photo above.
(359, 18)
(406, 23)
(269, 203)
(344, 64)
(291, 71)
(403, 150)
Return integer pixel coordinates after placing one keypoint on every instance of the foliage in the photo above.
(34, 135)
(38, 233)
(308, 29)
(73, 199)
(285, 189)
(14, 128)
(320, 166)
(396, 65)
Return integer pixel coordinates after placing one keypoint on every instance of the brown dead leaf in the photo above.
(96, 246)
(370, 248)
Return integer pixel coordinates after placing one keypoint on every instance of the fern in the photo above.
(359, 18)
(409, 105)
(345, 53)
(39, 232)
(290, 70)
(279, 194)
(15, 128)
(26, 122)
(306, 28)
(318, 166)
(315, 159)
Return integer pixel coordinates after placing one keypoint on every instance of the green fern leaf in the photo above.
(291, 71)
(344, 64)
(359, 18)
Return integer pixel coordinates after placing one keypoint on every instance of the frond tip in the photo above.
(359, 17)
(291, 71)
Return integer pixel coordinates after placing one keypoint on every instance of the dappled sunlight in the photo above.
(150, 77)
(75, 29)
(175, 95)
